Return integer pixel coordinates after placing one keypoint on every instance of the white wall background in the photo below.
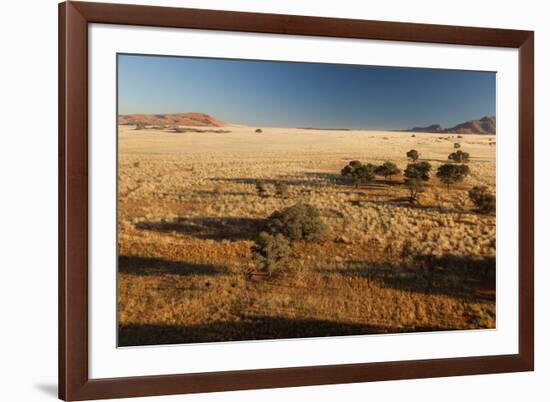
(28, 199)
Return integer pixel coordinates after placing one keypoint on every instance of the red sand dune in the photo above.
(171, 119)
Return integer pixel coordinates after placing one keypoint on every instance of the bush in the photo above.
(140, 125)
(358, 172)
(483, 199)
(413, 155)
(270, 252)
(281, 189)
(258, 131)
(387, 169)
(298, 222)
(456, 145)
(450, 173)
(459, 157)
(261, 188)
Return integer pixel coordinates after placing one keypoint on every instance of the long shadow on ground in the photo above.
(145, 266)
(467, 277)
(306, 179)
(251, 328)
(217, 228)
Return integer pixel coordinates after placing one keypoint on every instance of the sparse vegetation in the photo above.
(258, 131)
(456, 145)
(140, 126)
(190, 242)
(484, 200)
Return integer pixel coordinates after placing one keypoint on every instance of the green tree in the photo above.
(358, 172)
(485, 201)
(387, 169)
(450, 173)
(301, 221)
(416, 174)
(459, 157)
(420, 170)
(413, 155)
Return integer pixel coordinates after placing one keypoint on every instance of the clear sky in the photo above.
(282, 94)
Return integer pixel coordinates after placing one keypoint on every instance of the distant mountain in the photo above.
(485, 125)
(171, 119)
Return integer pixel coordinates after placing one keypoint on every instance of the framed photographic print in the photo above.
(259, 200)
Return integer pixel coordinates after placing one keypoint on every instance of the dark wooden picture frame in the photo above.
(74, 381)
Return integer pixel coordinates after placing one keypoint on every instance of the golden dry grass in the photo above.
(189, 212)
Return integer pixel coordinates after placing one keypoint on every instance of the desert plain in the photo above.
(189, 213)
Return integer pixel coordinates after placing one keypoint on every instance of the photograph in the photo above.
(268, 200)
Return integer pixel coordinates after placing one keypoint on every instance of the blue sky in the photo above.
(281, 94)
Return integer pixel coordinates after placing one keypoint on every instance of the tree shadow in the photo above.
(148, 266)
(312, 179)
(406, 202)
(286, 181)
(467, 277)
(212, 228)
(249, 328)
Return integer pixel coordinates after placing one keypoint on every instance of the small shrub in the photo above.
(456, 145)
(281, 189)
(450, 173)
(387, 169)
(413, 155)
(459, 157)
(270, 252)
(261, 188)
(140, 125)
(483, 199)
(258, 131)
(298, 222)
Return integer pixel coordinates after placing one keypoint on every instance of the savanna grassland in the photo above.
(190, 212)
